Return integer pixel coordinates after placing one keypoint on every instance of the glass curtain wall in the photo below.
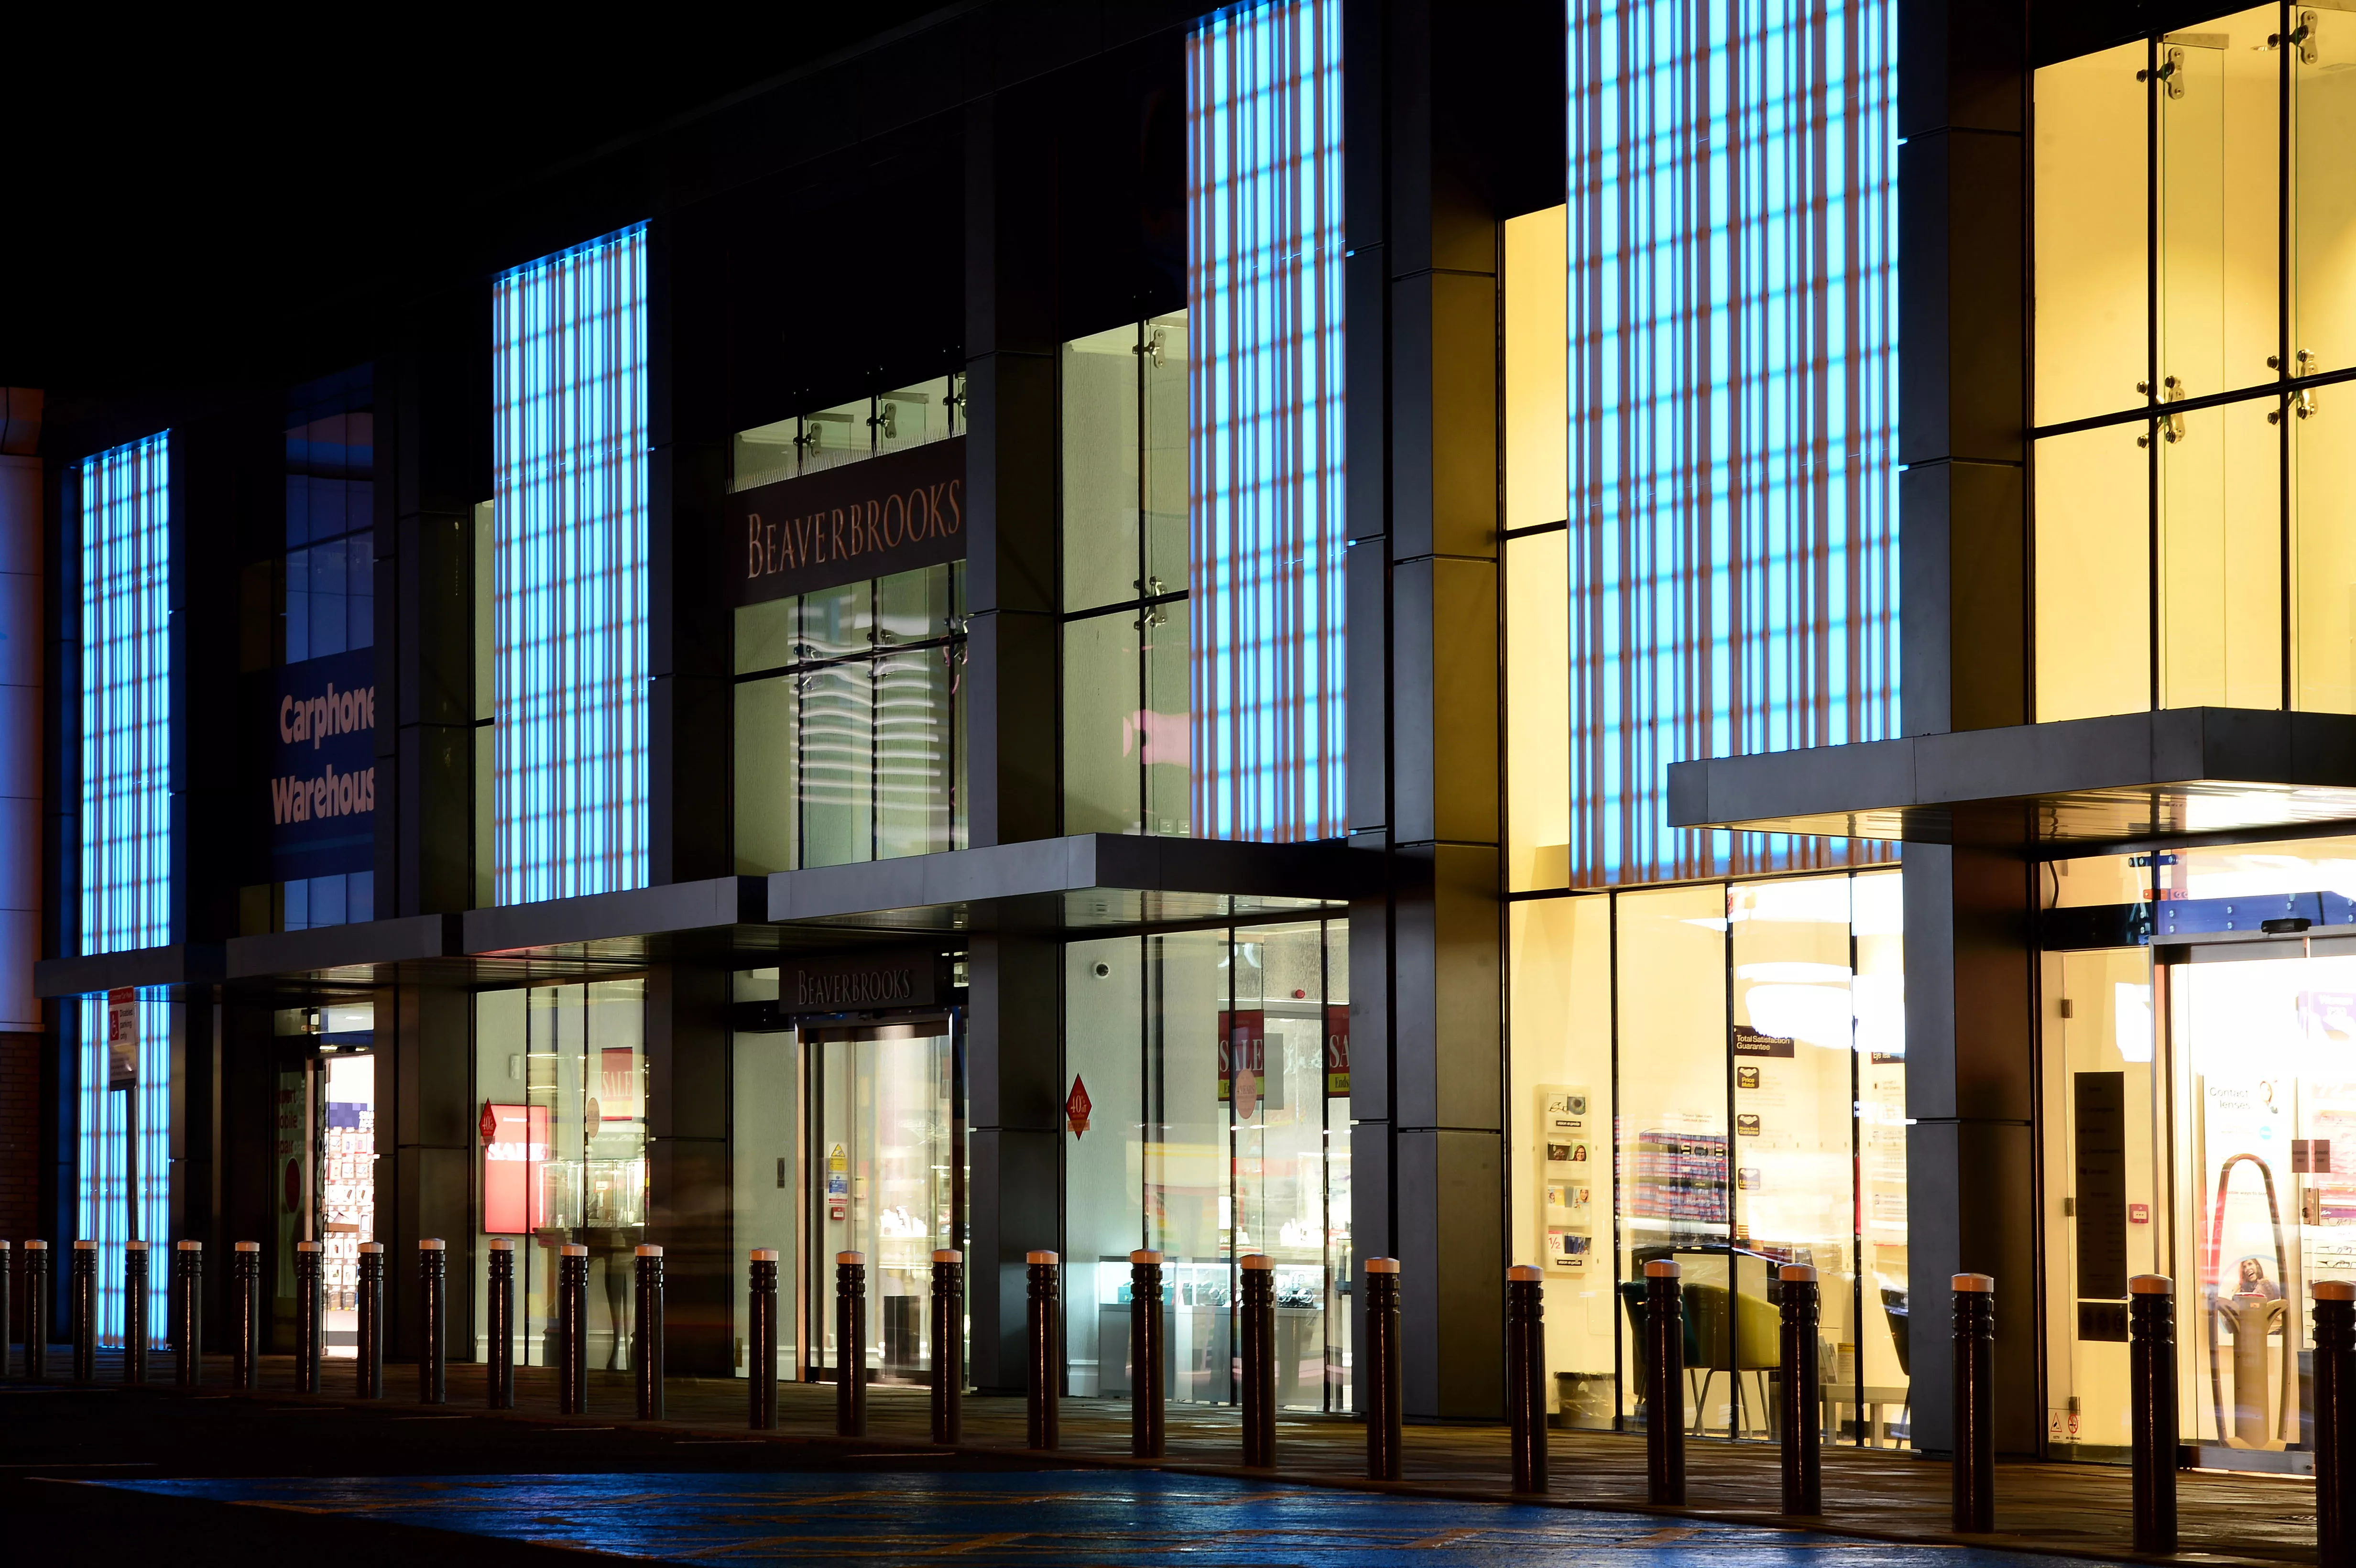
(850, 716)
(560, 1073)
(2195, 260)
(2202, 1125)
(1126, 694)
(1214, 1065)
(863, 428)
(1732, 1126)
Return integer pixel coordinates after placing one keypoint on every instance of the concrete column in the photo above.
(688, 1173)
(425, 1149)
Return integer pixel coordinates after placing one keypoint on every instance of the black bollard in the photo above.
(310, 1315)
(1973, 1476)
(2151, 1409)
(498, 1314)
(367, 1367)
(763, 1322)
(37, 1310)
(1384, 1460)
(188, 1312)
(82, 1309)
(851, 1344)
(7, 1339)
(1041, 1427)
(647, 1344)
(2335, 1422)
(135, 1313)
(1145, 1390)
(433, 1321)
(573, 1328)
(1802, 1430)
(1665, 1384)
(1257, 1330)
(1526, 1374)
(245, 1314)
(948, 1346)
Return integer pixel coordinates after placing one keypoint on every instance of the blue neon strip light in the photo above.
(1733, 391)
(1264, 295)
(126, 848)
(569, 367)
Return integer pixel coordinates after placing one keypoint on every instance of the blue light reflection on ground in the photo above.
(1136, 1517)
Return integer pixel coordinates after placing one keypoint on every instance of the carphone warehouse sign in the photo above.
(314, 794)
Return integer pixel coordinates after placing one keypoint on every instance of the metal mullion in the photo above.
(2151, 355)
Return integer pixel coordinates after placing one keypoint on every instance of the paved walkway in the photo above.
(2081, 1509)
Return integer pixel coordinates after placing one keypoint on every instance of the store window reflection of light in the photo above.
(124, 828)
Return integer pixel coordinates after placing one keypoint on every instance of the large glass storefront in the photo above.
(561, 1073)
(2199, 1085)
(1213, 1068)
(1715, 1073)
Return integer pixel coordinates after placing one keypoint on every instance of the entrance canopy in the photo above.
(1089, 884)
(2120, 779)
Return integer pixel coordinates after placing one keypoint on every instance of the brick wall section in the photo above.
(20, 1093)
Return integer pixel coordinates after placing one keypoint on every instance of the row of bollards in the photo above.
(2151, 1360)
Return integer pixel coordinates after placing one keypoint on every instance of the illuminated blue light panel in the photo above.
(1733, 392)
(1264, 295)
(569, 528)
(124, 859)
(108, 1160)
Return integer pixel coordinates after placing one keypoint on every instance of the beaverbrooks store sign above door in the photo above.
(893, 513)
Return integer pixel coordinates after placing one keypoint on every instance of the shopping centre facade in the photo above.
(1558, 636)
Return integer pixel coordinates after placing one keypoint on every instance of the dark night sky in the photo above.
(173, 191)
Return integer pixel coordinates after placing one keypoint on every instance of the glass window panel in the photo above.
(1561, 1208)
(327, 605)
(1877, 994)
(1795, 1105)
(765, 635)
(359, 577)
(2219, 136)
(1100, 468)
(485, 813)
(2092, 235)
(1537, 708)
(1341, 1250)
(836, 621)
(2220, 558)
(837, 767)
(915, 415)
(911, 606)
(1281, 1140)
(1103, 1166)
(1166, 454)
(767, 795)
(2094, 606)
(765, 1120)
(299, 508)
(765, 454)
(1671, 1120)
(838, 435)
(485, 599)
(1537, 411)
(1164, 736)
(912, 752)
(2323, 501)
(298, 607)
(2323, 196)
(1103, 779)
(1188, 1175)
(510, 1162)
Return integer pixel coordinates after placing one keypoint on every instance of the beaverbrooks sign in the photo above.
(893, 513)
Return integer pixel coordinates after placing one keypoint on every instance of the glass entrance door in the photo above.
(887, 1180)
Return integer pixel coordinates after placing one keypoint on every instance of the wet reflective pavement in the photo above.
(1048, 1519)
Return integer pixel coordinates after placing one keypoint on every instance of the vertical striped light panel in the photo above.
(1733, 417)
(125, 844)
(569, 528)
(109, 1161)
(1264, 292)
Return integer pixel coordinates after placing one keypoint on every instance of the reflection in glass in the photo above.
(1163, 735)
(912, 751)
(837, 783)
(1101, 469)
(2323, 196)
(1101, 778)
(768, 790)
(2219, 122)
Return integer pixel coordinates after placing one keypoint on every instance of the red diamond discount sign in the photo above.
(1076, 1106)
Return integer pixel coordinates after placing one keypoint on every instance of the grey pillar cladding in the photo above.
(1422, 381)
